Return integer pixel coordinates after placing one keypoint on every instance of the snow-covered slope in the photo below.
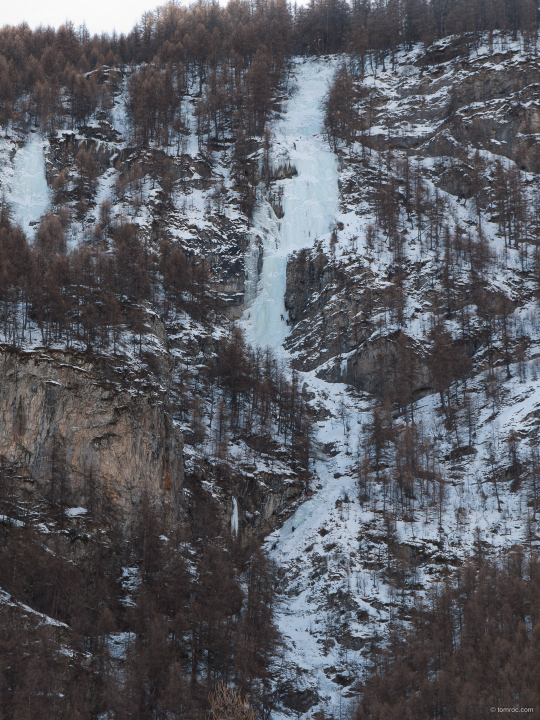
(348, 564)
(319, 256)
(310, 207)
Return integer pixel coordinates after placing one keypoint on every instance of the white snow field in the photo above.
(29, 192)
(310, 200)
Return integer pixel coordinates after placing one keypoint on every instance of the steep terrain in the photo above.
(143, 444)
(319, 332)
(425, 246)
(64, 425)
(185, 195)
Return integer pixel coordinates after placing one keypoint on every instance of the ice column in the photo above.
(234, 518)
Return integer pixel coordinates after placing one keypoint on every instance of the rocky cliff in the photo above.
(434, 223)
(76, 436)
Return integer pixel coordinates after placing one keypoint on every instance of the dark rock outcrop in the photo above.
(61, 422)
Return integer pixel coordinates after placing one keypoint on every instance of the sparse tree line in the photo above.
(43, 68)
(472, 328)
(244, 393)
(198, 612)
(400, 466)
(470, 645)
(373, 31)
(472, 325)
(469, 317)
(97, 295)
(90, 294)
(460, 263)
(438, 664)
(235, 52)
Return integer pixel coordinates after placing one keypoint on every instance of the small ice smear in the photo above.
(11, 521)
(234, 518)
(30, 196)
(118, 643)
(75, 512)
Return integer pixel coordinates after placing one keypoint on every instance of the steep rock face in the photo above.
(224, 245)
(489, 100)
(314, 285)
(334, 309)
(376, 364)
(71, 432)
(265, 497)
(267, 500)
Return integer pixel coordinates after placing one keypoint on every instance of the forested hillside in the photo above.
(269, 401)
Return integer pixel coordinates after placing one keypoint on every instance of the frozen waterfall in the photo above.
(309, 201)
(29, 192)
(310, 204)
(234, 518)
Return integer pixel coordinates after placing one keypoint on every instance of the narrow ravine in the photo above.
(310, 202)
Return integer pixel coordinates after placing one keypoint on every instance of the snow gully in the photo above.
(310, 202)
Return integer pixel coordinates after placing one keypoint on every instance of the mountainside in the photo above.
(269, 403)
(421, 298)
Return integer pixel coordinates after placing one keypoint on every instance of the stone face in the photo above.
(375, 362)
(490, 101)
(56, 410)
(60, 416)
(272, 498)
(298, 699)
(265, 498)
(324, 302)
(331, 306)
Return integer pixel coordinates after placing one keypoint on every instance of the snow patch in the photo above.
(29, 192)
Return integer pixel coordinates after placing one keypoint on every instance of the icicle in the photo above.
(234, 518)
